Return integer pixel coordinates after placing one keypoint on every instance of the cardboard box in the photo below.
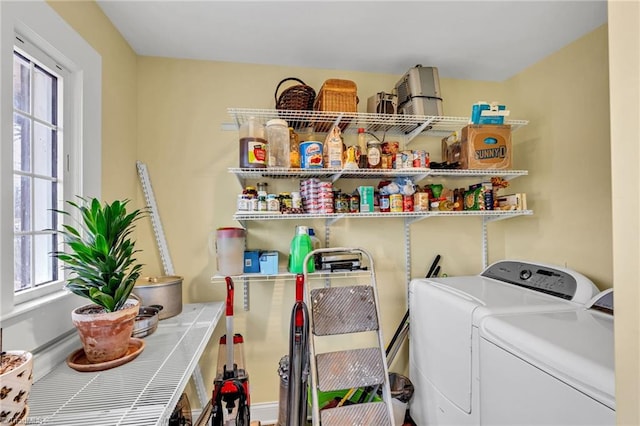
(513, 202)
(251, 261)
(269, 263)
(488, 113)
(366, 199)
(485, 147)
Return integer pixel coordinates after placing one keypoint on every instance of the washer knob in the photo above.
(525, 274)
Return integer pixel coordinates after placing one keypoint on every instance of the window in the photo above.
(50, 143)
(37, 168)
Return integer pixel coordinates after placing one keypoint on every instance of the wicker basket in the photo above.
(339, 96)
(295, 98)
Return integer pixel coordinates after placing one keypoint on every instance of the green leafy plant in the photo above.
(100, 255)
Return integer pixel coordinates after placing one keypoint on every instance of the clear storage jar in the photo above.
(278, 143)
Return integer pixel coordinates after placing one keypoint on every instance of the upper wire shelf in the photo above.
(393, 124)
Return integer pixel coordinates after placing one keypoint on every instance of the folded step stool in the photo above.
(339, 310)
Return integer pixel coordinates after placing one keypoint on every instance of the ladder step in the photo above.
(354, 368)
(341, 310)
(374, 413)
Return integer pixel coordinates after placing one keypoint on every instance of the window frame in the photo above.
(41, 59)
(39, 24)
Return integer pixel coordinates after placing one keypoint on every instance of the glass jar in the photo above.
(285, 202)
(374, 154)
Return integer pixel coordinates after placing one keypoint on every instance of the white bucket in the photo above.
(399, 411)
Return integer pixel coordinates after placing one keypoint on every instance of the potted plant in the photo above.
(100, 259)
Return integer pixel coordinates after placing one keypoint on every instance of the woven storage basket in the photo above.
(295, 98)
(339, 96)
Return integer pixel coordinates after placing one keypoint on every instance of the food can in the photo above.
(404, 160)
(395, 203)
(407, 203)
(311, 155)
(419, 158)
(421, 202)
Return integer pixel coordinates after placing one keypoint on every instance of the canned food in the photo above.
(395, 203)
(421, 202)
(407, 203)
(311, 155)
(419, 158)
(404, 160)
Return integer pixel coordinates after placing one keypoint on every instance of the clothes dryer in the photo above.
(445, 314)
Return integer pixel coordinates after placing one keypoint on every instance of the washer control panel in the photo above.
(556, 281)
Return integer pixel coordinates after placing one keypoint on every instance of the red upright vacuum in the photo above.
(230, 401)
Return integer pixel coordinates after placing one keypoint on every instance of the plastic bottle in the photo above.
(253, 145)
(294, 149)
(278, 138)
(301, 245)
(315, 241)
(362, 146)
(334, 149)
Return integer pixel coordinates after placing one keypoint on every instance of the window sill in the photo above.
(27, 307)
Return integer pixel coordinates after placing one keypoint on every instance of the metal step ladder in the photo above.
(343, 309)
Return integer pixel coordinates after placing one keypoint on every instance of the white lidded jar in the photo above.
(278, 143)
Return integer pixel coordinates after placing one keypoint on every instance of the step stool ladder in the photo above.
(343, 309)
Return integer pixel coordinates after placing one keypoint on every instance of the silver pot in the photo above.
(146, 321)
(165, 291)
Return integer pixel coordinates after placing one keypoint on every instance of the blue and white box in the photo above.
(488, 113)
(251, 261)
(269, 263)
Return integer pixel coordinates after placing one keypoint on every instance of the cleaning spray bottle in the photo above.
(301, 245)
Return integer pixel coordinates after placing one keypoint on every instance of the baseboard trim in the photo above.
(265, 412)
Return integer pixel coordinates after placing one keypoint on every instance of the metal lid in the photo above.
(277, 122)
(158, 281)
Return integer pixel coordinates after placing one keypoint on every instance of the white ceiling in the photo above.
(474, 39)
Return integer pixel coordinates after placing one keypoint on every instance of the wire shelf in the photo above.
(142, 392)
(334, 174)
(393, 124)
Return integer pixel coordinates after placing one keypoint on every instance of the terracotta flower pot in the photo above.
(15, 385)
(105, 335)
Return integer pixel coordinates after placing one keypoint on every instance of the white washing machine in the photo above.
(549, 368)
(445, 314)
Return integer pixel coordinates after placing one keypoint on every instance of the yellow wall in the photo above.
(168, 113)
(624, 60)
(119, 95)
